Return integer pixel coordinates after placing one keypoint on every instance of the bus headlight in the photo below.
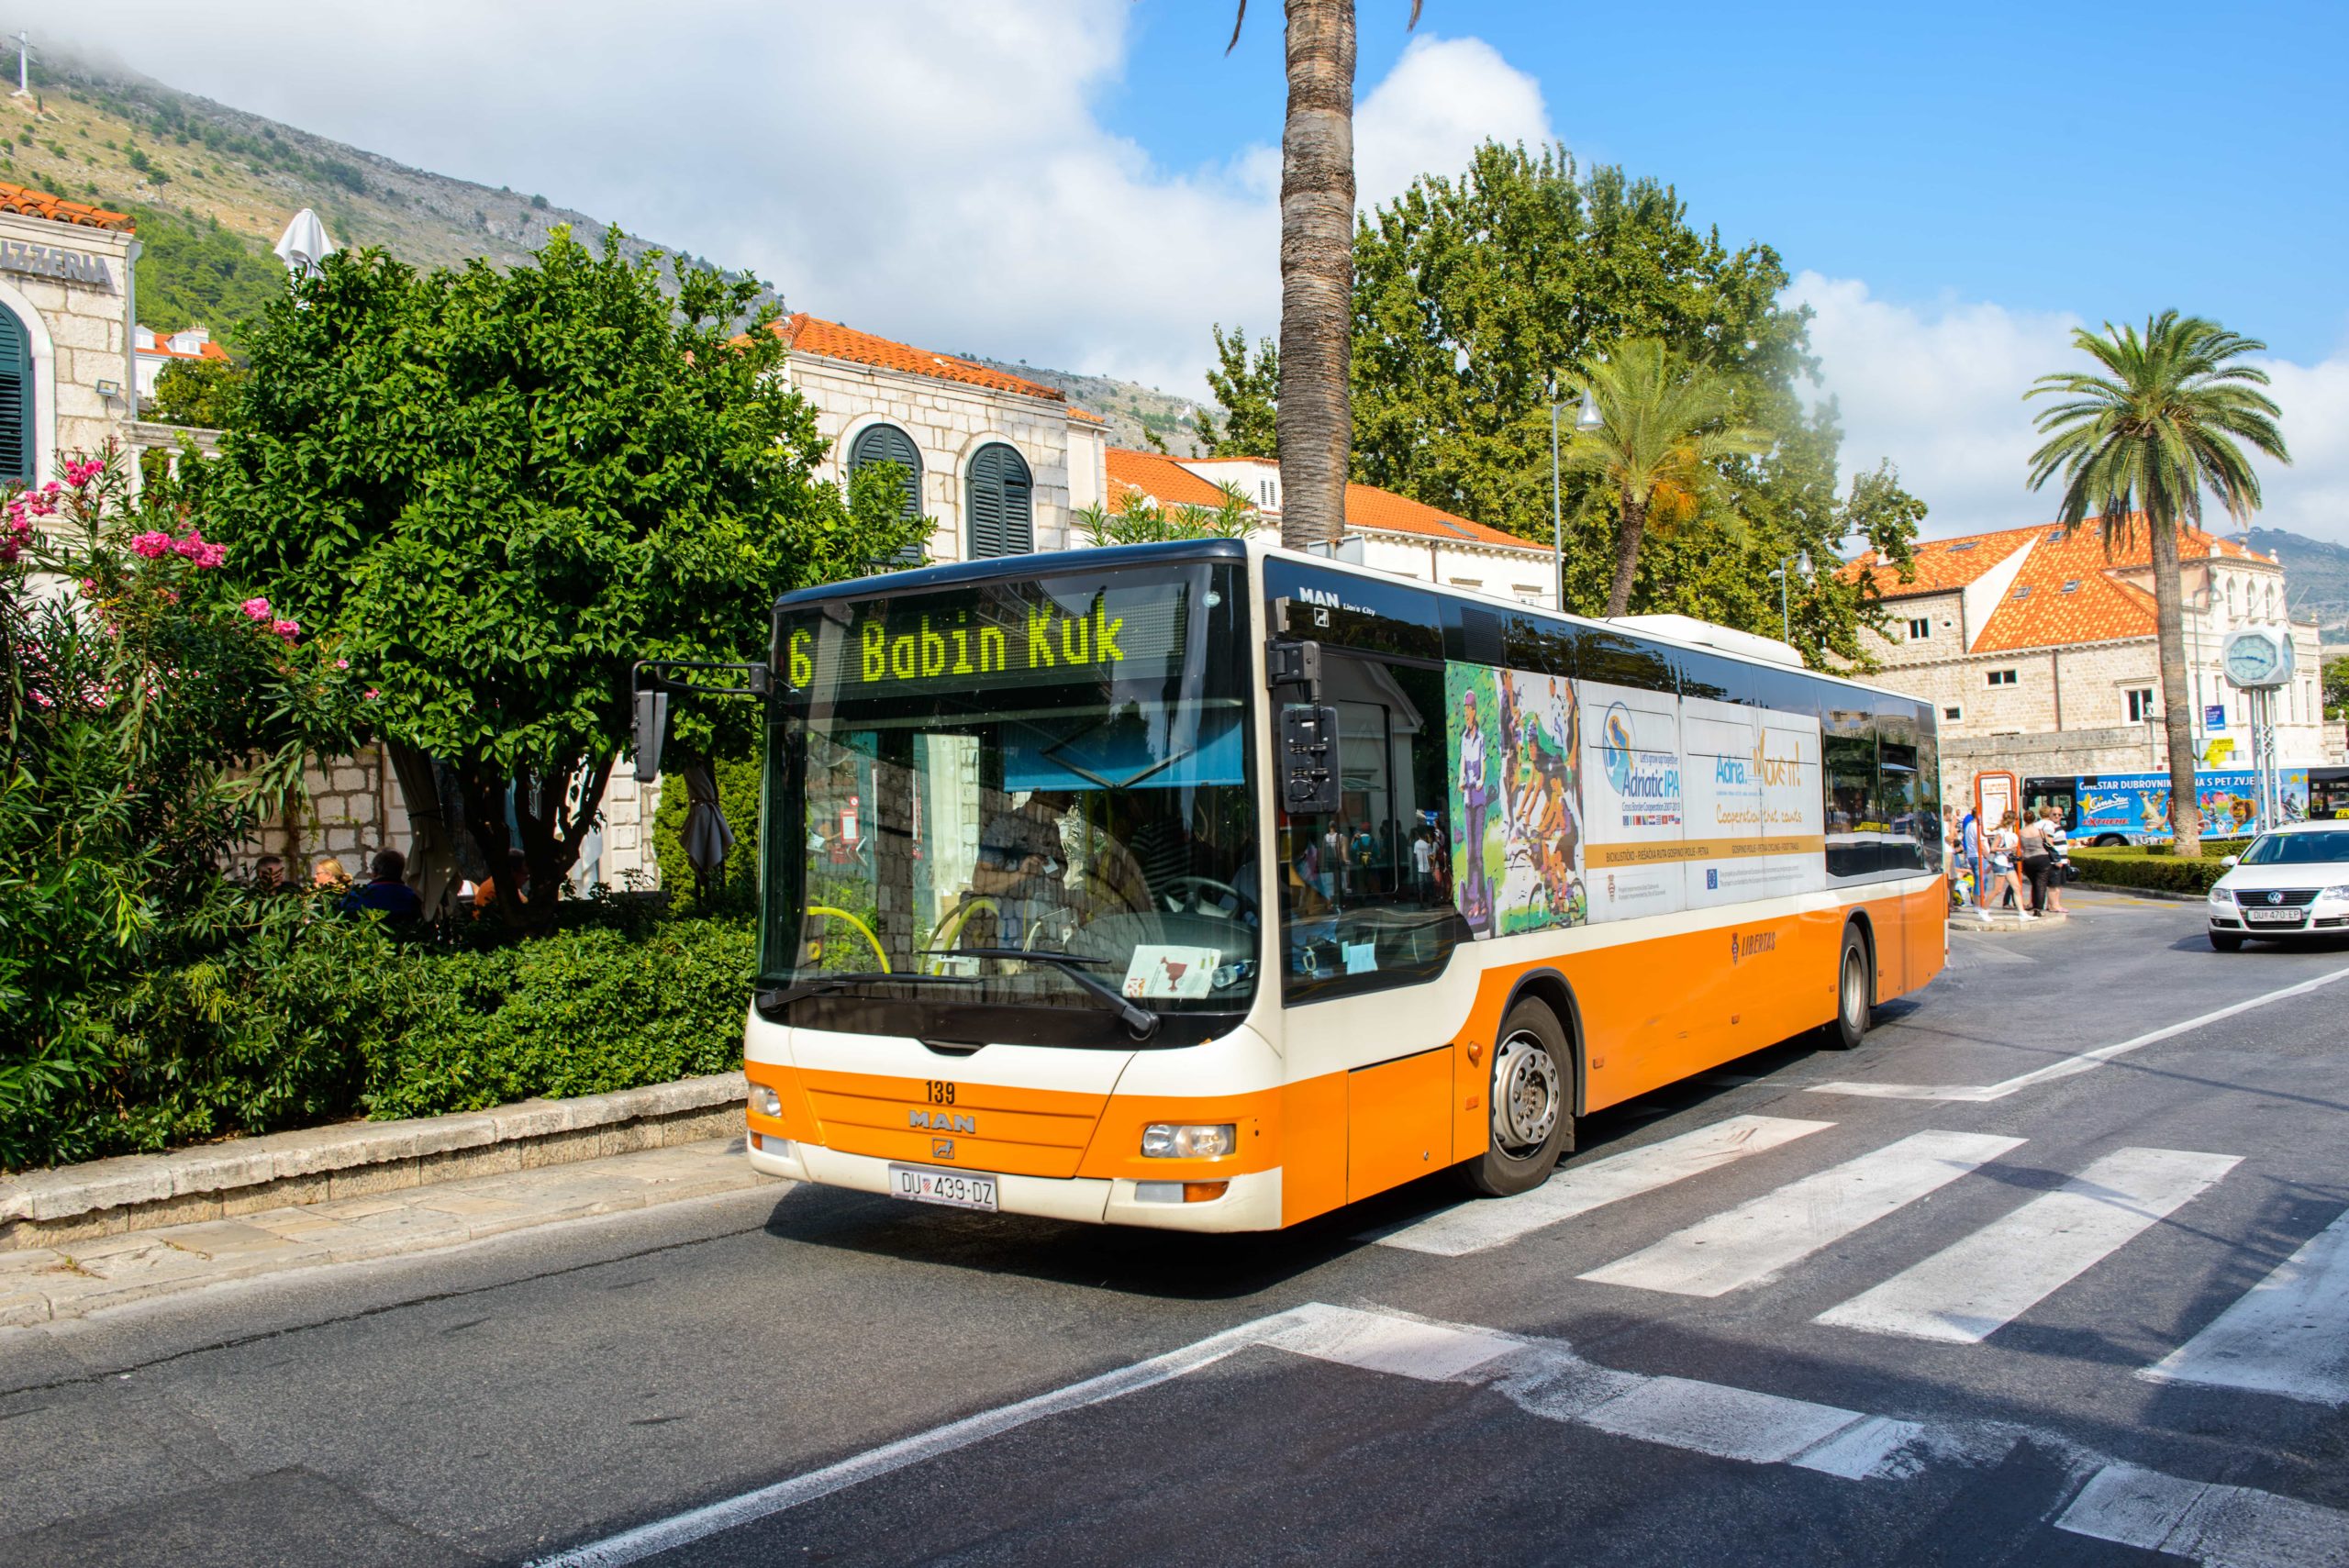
(765, 1101)
(1185, 1141)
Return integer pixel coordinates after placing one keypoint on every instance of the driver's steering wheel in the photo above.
(1195, 884)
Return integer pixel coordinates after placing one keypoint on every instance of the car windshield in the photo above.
(2299, 850)
(1056, 766)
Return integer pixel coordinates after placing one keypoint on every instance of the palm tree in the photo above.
(1314, 421)
(2140, 441)
(1657, 445)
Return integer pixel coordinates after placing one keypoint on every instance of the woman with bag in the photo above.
(2058, 845)
(2037, 860)
(2002, 842)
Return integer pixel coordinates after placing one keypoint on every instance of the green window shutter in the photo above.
(886, 443)
(1002, 508)
(16, 400)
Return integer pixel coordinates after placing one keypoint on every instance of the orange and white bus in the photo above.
(1212, 887)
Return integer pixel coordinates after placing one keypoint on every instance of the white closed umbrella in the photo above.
(304, 245)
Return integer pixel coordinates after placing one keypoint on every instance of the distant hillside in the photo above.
(1130, 407)
(2315, 574)
(214, 186)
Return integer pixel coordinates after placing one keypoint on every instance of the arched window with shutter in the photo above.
(1002, 506)
(16, 400)
(886, 443)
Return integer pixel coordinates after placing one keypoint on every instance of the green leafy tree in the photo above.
(1658, 448)
(1139, 519)
(504, 487)
(2336, 687)
(1475, 297)
(1249, 391)
(198, 393)
(2136, 440)
(194, 273)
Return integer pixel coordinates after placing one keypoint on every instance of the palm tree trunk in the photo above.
(1315, 421)
(1628, 529)
(2178, 715)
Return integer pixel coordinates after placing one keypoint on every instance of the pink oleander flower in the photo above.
(210, 556)
(80, 473)
(288, 629)
(342, 663)
(372, 693)
(154, 544)
(257, 608)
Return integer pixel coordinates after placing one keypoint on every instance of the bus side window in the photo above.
(1366, 901)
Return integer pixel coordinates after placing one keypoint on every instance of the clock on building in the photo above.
(2257, 659)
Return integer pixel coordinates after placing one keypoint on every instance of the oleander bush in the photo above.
(2154, 868)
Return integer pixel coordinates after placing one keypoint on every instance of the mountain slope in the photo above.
(1134, 411)
(2316, 575)
(217, 186)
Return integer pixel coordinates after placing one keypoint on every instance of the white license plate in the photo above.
(955, 1189)
(2275, 916)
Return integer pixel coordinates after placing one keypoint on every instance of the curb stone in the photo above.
(142, 1192)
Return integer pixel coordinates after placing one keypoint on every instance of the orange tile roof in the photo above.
(1085, 416)
(1367, 507)
(2102, 605)
(809, 334)
(1162, 479)
(161, 348)
(23, 199)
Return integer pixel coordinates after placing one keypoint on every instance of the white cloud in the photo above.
(1939, 390)
(929, 169)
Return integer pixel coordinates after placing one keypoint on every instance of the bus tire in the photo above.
(1531, 1094)
(1855, 993)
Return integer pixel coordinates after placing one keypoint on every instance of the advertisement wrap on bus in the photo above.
(2136, 806)
(1211, 887)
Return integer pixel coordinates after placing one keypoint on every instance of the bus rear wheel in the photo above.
(1855, 993)
(1531, 1094)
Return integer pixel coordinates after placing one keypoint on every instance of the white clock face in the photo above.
(2253, 660)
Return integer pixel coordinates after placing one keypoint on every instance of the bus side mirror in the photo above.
(1309, 784)
(651, 728)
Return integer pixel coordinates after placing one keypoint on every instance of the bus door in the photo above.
(2063, 794)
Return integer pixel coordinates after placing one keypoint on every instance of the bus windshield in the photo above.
(1056, 766)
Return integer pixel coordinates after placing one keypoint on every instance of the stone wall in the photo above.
(949, 422)
(80, 334)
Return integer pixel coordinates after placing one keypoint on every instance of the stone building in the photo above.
(1390, 532)
(997, 461)
(67, 308)
(2037, 646)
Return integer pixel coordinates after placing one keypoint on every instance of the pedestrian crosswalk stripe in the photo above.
(2203, 1521)
(2289, 1335)
(1969, 1291)
(1577, 1189)
(1751, 1243)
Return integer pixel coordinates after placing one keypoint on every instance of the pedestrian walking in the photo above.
(2059, 847)
(2035, 859)
(2001, 844)
(1969, 839)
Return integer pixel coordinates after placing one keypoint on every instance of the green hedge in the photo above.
(2154, 868)
(312, 1019)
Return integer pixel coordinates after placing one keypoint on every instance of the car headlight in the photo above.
(2220, 895)
(1179, 1140)
(2337, 893)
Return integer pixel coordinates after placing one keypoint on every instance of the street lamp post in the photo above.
(1786, 621)
(1587, 419)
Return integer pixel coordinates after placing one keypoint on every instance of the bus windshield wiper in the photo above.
(815, 984)
(1140, 1022)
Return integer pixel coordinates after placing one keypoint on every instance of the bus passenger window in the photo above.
(1364, 895)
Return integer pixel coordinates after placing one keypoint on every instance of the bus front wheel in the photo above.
(1855, 993)
(1532, 1103)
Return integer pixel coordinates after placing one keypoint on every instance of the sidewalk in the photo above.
(42, 1284)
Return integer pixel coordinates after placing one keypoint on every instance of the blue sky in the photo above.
(1089, 184)
(2106, 160)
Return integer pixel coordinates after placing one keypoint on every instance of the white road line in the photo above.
(2287, 1334)
(1753, 1241)
(1577, 1189)
(2234, 1526)
(1967, 1292)
(681, 1529)
(2225, 1526)
(2086, 1061)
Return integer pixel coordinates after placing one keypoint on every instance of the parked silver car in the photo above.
(2293, 882)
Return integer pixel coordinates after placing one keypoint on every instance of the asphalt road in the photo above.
(1906, 1320)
